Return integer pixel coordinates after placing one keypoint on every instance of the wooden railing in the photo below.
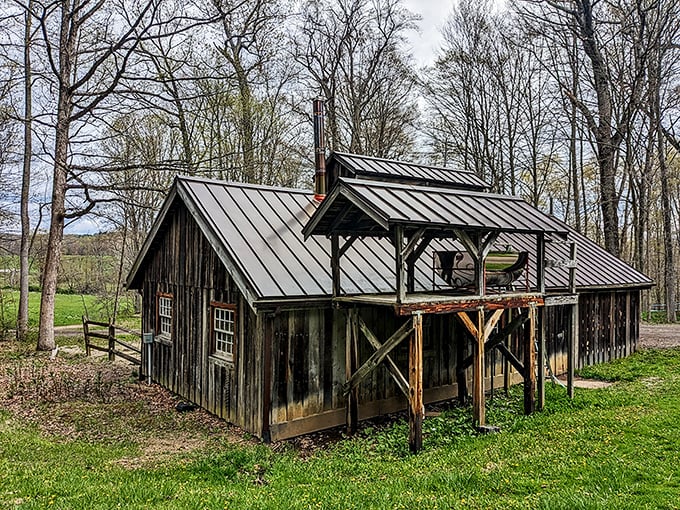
(132, 353)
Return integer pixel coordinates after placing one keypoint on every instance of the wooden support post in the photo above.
(506, 363)
(351, 362)
(541, 356)
(540, 263)
(572, 347)
(530, 362)
(335, 264)
(112, 341)
(86, 334)
(572, 354)
(478, 372)
(461, 380)
(416, 411)
(400, 264)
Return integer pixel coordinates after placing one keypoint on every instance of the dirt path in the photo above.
(659, 336)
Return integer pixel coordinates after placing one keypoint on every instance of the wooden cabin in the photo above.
(285, 315)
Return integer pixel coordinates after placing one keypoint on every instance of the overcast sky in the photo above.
(426, 43)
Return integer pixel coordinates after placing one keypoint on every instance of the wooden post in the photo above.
(541, 355)
(267, 386)
(335, 264)
(112, 341)
(572, 355)
(461, 380)
(86, 334)
(572, 346)
(506, 363)
(400, 266)
(351, 364)
(530, 362)
(416, 411)
(478, 368)
(540, 263)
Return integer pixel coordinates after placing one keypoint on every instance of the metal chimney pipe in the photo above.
(319, 151)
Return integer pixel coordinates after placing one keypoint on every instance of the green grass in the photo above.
(617, 447)
(68, 308)
(612, 448)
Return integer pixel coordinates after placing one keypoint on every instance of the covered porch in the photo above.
(411, 217)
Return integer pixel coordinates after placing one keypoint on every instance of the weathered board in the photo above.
(183, 264)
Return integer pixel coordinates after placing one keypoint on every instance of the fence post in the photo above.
(86, 334)
(112, 341)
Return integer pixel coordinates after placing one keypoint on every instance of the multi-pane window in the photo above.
(164, 315)
(223, 330)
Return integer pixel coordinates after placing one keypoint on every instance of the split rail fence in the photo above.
(115, 346)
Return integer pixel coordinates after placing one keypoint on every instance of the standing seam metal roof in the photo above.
(259, 229)
(367, 166)
(388, 203)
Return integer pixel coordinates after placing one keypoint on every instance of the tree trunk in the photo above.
(22, 315)
(67, 44)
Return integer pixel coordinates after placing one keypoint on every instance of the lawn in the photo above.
(68, 308)
(69, 440)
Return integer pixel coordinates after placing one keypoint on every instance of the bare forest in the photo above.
(574, 105)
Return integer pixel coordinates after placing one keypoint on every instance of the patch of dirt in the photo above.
(74, 397)
(659, 336)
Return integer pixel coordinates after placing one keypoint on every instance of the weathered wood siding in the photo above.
(184, 264)
(308, 357)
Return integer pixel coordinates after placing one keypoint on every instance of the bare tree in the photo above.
(88, 47)
(352, 53)
(24, 262)
(615, 95)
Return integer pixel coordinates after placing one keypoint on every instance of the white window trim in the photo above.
(220, 335)
(164, 336)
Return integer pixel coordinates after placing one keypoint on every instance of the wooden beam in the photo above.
(398, 377)
(335, 264)
(467, 322)
(400, 266)
(572, 349)
(540, 262)
(494, 340)
(346, 245)
(530, 363)
(351, 361)
(573, 250)
(491, 302)
(512, 359)
(374, 360)
(415, 368)
(491, 323)
(541, 355)
(478, 405)
(412, 243)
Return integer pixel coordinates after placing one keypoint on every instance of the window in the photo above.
(164, 323)
(223, 329)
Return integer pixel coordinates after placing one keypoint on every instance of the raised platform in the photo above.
(444, 303)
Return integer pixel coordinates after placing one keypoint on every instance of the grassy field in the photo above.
(68, 308)
(124, 446)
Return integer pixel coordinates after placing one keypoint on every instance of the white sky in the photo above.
(426, 43)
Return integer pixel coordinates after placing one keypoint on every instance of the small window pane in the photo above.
(164, 315)
(223, 329)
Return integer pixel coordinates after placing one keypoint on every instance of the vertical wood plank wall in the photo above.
(308, 345)
(184, 265)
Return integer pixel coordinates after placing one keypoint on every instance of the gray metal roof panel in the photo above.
(260, 228)
(360, 165)
(445, 208)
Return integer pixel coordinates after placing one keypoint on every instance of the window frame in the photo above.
(160, 334)
(223, 354)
